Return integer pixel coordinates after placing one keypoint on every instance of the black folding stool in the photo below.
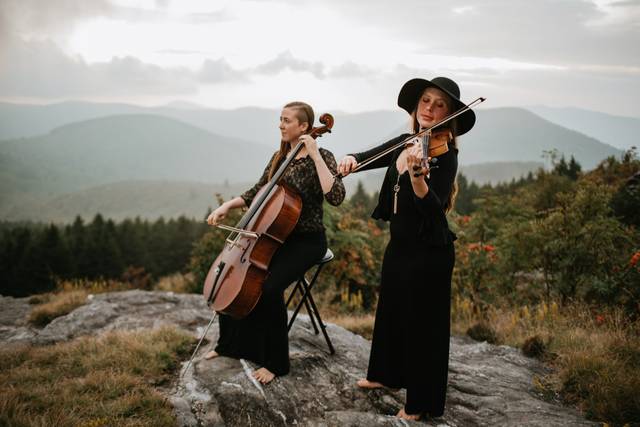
(304, 287)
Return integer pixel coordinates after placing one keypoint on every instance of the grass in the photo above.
(104, 381)
(343, 310)
(360, 324)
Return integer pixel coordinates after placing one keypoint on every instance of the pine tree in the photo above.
(55, 253)
(467, 192)
(574, 169)
(360, 199)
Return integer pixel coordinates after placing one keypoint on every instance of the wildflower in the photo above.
(489, 248)
(634, 259)
(599, 319)
(473, 246)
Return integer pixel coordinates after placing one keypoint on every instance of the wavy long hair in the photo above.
(415, 126)
(304, 114)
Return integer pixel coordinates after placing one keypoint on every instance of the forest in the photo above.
(554, 235)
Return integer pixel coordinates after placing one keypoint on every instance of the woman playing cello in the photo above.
(410, 347)
(262, 335)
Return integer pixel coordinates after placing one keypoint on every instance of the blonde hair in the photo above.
(415, 127)
(304, 114)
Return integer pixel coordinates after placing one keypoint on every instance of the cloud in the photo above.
(285, 61)
(55, 17)
(46, 17)
(350, 70)
(210, 17)
(462, 9)
(569, 32)
(219, 71)
(41, 69)
(181, 52)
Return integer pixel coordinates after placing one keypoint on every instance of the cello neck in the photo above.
(255, 207)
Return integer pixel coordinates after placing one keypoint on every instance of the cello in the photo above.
(233, 285)
(234, 282)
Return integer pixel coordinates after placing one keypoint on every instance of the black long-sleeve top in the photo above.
(302, 176)
(434, 228)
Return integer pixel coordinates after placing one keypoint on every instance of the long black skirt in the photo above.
(410, 346)
(262, 336)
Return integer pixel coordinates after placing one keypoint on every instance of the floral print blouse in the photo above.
(301, 176)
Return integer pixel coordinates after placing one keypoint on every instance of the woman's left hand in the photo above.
(311, 146)
(414, 163)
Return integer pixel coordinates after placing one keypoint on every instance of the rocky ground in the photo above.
(488, 385)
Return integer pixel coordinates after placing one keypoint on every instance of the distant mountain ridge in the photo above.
(134, 147)
(502, 127)
(125, 199)
(248, 123)
(515, 134)
(617, 131)
(73, 165)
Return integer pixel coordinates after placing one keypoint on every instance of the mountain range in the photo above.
(68, 158)
(617, 131)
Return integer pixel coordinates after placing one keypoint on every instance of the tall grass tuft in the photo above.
(56, 306)
(178, 283)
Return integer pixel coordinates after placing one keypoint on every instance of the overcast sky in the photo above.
(335, 54)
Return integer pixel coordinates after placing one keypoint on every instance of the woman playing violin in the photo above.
(410, 347)
(262, 335)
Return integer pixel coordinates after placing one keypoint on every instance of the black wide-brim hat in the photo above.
(413, 89)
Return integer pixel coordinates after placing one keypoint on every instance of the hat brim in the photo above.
(411, 90)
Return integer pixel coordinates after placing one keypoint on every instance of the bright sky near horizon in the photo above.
(335, 54)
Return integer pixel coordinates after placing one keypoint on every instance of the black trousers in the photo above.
(410, 345)
(262, 336)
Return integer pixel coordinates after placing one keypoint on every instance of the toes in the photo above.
(263, 375)
(403, 414)
(211, 355)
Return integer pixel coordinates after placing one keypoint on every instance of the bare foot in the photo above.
(263, 375)
(402, 414)
(364, 383)
(211, 355)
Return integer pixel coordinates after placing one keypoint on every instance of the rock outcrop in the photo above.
(488, 385)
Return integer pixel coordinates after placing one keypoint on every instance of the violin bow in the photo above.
(412, 139)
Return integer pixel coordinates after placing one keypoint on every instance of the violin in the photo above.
(434, 143)
(233, 285)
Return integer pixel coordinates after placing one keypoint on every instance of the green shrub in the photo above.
(482, 331)
(534, 347)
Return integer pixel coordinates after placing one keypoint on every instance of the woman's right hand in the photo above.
(346, 165)
(218, 215)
